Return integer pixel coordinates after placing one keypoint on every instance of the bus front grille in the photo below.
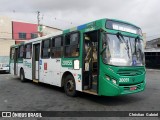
(122, 72)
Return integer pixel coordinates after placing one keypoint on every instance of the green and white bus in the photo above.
(104, 57)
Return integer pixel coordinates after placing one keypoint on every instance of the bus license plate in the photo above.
(133, 88)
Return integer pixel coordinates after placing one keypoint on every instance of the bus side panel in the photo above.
(50, 71)
(12, 67)
(28, 68)
(20, 65)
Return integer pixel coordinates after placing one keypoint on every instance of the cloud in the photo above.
(69, 13)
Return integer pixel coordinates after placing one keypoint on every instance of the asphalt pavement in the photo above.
(18, 96)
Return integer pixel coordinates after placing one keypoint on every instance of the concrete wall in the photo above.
(5, 47)
(5, 35)
(144, 39)
(5, 28)
(49, 30)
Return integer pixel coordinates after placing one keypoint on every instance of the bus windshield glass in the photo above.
(122, 51)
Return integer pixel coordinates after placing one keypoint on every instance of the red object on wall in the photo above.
(45, 66)
(22, 27)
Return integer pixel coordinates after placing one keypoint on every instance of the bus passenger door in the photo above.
(90, 58)
(35, 61)
(16, 61)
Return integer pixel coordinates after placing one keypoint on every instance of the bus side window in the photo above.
(21, 51)
(28, 51)
(45, 51)
(12, 53)
(56, 49)
(72, 45)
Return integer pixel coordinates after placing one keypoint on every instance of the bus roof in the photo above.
(44, 37)
(99, 22)
(87, 27)
(16, 45)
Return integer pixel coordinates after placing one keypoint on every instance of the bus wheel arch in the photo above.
(65, 74)
(22, 75)
(68, 82)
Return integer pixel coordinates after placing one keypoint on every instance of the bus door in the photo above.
(16, 61)
(90, 58)
(35, 61)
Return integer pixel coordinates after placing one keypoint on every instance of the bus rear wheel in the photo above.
(22, 77)
(70, 86)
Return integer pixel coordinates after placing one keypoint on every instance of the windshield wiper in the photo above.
(103, 50)
(123, 41)
(104, 38)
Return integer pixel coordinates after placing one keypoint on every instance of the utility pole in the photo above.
(38, 21)
(38, 17)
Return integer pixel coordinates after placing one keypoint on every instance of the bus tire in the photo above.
(22, 76)
(70, 86)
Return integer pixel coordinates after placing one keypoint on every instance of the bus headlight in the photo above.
(114, 81)
(111, 79)
(107, 77)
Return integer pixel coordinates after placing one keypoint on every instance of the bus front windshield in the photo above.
(119, 50)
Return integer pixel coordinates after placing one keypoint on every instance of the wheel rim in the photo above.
(70, 86)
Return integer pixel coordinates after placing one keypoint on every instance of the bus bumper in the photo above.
(128, 89)
(107, 88)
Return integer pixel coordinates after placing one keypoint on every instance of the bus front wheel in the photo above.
(70, 86)
(22, 77)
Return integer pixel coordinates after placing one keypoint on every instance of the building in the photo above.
(25, 31)
(152, 53)
(46, 30)
(155, 43)
(14, 32)
(144, 39)
(5, 35)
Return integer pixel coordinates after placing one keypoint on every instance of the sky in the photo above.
(65, 14)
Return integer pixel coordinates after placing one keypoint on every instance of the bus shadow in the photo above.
(42, 85)
(104, 100)
(1, 72)
(112, 101)
(46, 86)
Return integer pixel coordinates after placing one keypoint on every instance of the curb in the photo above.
(156, 70)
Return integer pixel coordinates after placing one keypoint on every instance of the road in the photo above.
(28, 96)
